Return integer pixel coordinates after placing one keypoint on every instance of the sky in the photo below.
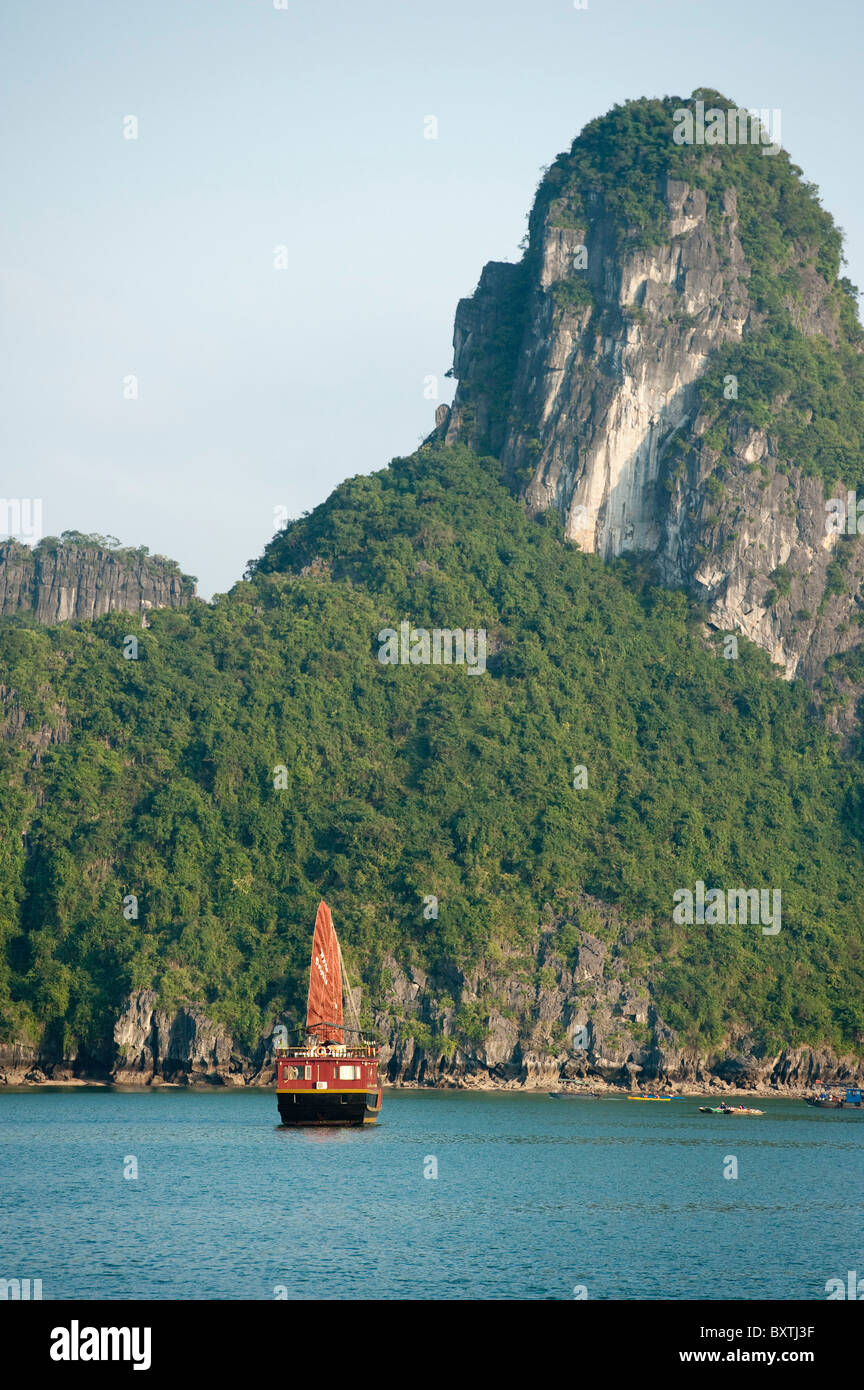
(169, 376)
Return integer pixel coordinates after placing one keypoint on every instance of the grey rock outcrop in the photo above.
(176, 1045)
(580, 366)
(515, 1023)
(728, 544)
(62, 581)
(529, 1022)
(606, 356)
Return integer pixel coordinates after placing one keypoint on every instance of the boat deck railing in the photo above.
(330, 1050)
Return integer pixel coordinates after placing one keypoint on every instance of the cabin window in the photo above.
(349, 1073)
(297, 1073)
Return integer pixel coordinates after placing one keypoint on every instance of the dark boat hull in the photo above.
(334, 1108)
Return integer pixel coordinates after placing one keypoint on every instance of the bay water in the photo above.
(453, 1195)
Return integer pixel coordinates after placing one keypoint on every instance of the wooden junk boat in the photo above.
(325, 1081)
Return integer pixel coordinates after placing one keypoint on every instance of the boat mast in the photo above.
(346, 988)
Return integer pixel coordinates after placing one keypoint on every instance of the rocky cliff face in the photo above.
(535, 1021)
(520, 1023)
(180, 1045)
(608, 351)
(580, 368)
(728, 546)
(59, 581)
(153, 1044)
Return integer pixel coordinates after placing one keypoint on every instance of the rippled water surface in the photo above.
(533, 1197)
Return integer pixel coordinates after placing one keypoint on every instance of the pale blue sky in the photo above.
(304, 127)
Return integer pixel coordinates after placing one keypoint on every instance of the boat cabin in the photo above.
(327, 1067)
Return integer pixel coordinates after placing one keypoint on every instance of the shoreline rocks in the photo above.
(177, 1047)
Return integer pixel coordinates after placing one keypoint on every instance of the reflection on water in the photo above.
(317, 1134)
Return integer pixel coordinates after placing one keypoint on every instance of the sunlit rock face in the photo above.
(81, 581)
(579, 368)
(600, 386)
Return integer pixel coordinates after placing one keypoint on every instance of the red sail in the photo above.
(324, 1010)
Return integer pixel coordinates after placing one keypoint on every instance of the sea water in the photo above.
(453, 1195)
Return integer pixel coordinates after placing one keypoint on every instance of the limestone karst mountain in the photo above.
(675, 366)
(653, 408)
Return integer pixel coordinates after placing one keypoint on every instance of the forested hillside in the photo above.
(257, 755)
(658, 406)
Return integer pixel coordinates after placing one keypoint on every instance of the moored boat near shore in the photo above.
(826, 1100)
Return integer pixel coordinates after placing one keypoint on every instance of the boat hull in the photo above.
(331, 1108)
(716, 1110)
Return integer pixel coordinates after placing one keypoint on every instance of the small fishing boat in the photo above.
(729, 1110)
(826, 1100)
(325, 1081)
(574, 1095)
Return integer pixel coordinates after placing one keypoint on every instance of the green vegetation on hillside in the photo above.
(155, 777)
(619, 164)
(614, 180)
(807, 395)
